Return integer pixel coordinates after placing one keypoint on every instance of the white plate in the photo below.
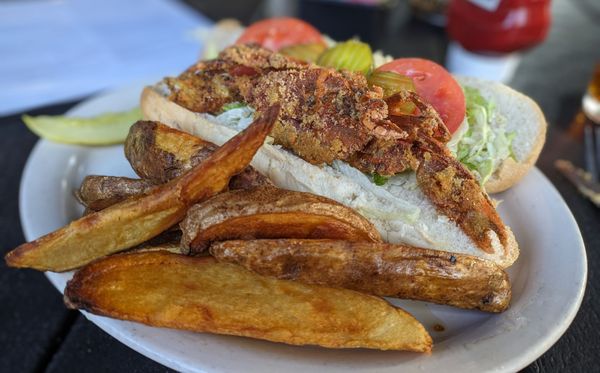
(548, 280)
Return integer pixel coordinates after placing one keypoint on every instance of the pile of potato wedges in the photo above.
(204, 242)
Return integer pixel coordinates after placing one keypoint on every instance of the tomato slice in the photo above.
(435, 85)
(276, 33)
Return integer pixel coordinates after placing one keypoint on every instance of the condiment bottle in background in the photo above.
(591, 99)
(487, 36)
(591, 138)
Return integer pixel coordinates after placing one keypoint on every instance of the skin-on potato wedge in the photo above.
(199, 294)
(99, 192)
(270, 212)
(376, 268)
(160, 153)
(138, 219)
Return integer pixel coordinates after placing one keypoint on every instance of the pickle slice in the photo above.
(403, 108)
(350, 55)
(391, 82)
(105, 129)
(304, 52)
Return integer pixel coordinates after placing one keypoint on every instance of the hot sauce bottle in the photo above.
(492, 33)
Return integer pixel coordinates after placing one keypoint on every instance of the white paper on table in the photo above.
(53, 51)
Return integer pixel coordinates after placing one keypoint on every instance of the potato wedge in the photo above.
(199, 294)
(381, 269)
(168, 241)
(270, 212)
(99, 192)
(160, 153)
(138, 219)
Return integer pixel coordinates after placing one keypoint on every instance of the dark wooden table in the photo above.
(37, 333)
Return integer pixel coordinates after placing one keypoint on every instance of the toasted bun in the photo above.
(286, 170)
(525, 118)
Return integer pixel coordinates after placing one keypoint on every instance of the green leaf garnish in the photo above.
(379, 179)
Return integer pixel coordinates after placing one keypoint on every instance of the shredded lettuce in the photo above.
(232, 105)
(484, 143)
(378, 202)
(379, 179)
(236, 115)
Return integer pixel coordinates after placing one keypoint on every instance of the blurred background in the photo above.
(58, 50)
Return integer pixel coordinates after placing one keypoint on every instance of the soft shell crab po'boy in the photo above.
(386, 141)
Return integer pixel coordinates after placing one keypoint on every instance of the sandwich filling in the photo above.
(482, 142)
(336, 119)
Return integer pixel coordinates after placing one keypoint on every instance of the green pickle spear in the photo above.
(350, 55)
(104, 129)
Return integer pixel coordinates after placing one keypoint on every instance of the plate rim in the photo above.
(559, 331)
